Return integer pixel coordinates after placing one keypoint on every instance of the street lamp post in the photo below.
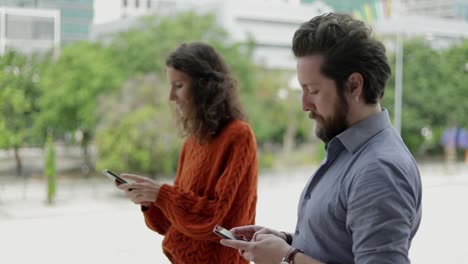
(398, 81)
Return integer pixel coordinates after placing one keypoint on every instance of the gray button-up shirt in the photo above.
(363, 204)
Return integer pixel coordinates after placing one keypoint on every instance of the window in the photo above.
(148, 4)
(125, 3)
(29, 27)
(137, 3)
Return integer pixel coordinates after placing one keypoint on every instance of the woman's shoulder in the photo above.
(238, 133)
(237, 127)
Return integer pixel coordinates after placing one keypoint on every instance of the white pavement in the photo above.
(92, 223)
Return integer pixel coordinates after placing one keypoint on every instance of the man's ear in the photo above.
(354, 86)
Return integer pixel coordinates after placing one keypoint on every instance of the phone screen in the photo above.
(114, 176)
(224, 233)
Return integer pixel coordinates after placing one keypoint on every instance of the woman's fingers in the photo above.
(142, 196)
(142, 191)
(135, 177)
(140, 186)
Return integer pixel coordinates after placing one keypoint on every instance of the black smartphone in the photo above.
(114, 176)
(224, 233)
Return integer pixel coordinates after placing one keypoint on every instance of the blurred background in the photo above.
(83, 88)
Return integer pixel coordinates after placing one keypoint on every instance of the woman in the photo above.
(216, 180)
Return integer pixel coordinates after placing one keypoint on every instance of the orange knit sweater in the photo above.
(216, 183)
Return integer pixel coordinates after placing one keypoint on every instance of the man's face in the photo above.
(320, 98)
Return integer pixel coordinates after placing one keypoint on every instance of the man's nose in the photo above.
(307, 104)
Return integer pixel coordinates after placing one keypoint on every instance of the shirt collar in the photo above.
(356, 135)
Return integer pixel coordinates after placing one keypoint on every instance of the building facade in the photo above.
(376, 9)
(29, 30)
(452, 9)
(76, 16)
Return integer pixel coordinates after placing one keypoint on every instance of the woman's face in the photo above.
(180, 85)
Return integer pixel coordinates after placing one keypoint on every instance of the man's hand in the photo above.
(143, 191)
(250, 232)
(262, 249)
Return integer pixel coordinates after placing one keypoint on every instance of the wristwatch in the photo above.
(289, 258)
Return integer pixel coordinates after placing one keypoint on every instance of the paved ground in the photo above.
(92, 223)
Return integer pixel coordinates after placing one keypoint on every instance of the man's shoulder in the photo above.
(386, 155)
(387, 146)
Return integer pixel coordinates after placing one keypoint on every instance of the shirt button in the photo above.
(307, 196)
(297, 232)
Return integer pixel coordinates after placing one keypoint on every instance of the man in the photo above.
(363, 204)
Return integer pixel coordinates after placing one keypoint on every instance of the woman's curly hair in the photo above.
(213, 91)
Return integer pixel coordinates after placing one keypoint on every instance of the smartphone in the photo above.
(224, 233)
(114, 176)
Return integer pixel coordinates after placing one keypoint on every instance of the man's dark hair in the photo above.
(347, 46)
(213, 91)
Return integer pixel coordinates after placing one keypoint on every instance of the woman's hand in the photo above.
(143, 191)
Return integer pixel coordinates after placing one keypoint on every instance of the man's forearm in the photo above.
(300, 258)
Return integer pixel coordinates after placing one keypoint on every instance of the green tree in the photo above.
(137, 130)
(455, 67)
(434, 90)
(70, 87)
(143, 49)
(19, 91)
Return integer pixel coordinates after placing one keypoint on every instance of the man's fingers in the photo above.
(261, 232)
(247, 255)
(260, 237)
(237, 244)
(246, 231)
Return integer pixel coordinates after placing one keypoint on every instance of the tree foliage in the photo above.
(19, 75)
(143, 48)
(435, 88)
(71, 85)
(137, 130)
(119, 91)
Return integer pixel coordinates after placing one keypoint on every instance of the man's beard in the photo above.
(327, 129)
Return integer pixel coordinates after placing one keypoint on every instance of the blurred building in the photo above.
(269, 23)
(113, 10)
(440, 22)
(438, 32)
(457, 9)
(375, 9)
(29, 30)
(75, 15)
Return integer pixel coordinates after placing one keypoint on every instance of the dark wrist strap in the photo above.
(293, 254)
(289, 258)
(289, 238)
